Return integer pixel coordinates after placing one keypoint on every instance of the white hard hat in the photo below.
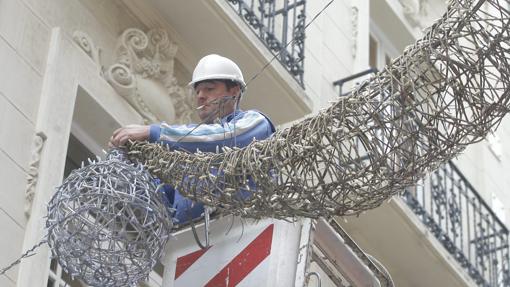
(216, 67)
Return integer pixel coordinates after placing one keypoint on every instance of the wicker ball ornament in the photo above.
(107, 224)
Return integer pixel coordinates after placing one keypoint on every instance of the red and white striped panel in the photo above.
(212, 273)
(263, 253)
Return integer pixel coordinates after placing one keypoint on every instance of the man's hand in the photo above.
(129, 132)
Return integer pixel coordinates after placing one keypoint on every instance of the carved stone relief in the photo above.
(354, 23)
(87, 45)
(143, 73)
(33, 171)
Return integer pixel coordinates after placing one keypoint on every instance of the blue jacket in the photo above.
(237, 129)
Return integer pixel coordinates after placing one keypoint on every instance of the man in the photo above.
(218, 85)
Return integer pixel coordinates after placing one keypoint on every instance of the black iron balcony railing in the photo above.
(465, 225)
(278, 23)
(460, 219)
(340, 83)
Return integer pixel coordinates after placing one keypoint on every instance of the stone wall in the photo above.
(335, 46)
(25, 30)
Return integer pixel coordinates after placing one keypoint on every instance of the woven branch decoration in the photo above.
(446, 91)
(107, 224)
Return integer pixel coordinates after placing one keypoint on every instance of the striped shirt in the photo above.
(237, 129)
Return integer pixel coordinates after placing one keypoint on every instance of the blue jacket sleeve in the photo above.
(240, 130)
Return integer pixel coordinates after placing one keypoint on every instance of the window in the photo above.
(381, 50)
(76, 153)
(58, 278)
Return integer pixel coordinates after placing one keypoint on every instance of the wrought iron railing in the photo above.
(340, 83)
(465, 225)
(459, 218)
(278, 23)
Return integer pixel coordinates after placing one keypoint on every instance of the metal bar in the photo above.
(354, 76)
(283, 51)
(423, 200)
(468, 229)
(289, 7)
(431, 200)
(294, 22)
(325, 268)
(302, 48)
(262, 9)
(264, 17)
(478, 197)
(330, 240)
(271, 19)
(445, 191)
(461, 227)
(342, 81)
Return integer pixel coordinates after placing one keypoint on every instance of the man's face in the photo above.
(210, 98)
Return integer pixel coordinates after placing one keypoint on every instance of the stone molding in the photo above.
(86, 43)
(33, 171)
(354, 33)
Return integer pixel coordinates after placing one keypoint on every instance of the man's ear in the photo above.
(236, 90)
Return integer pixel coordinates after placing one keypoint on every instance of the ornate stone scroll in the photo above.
(354, 33)
(33, 171)
(144, 75)
(87, 45)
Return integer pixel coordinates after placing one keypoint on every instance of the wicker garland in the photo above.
(446, 91)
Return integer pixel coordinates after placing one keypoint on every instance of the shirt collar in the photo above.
(230, 116)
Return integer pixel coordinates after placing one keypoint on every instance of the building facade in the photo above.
(75, 70)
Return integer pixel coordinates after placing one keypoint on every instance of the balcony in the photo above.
(281, 27)
(439, 233)
(464, 224)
